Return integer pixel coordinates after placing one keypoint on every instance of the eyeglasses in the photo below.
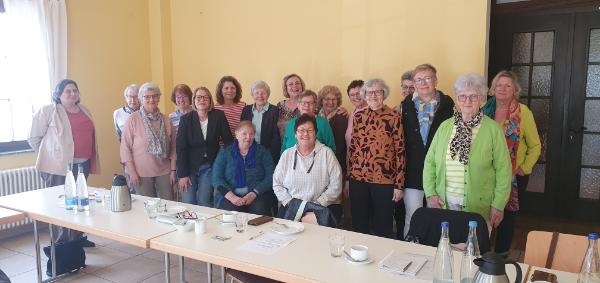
(408, 87)
(330, 99)
(201, 97)
(306, 102)
(187, 215)
(424, 80)
(180, 97)
(305, 131)
(463, 98)
(378, 92)
(151, 96)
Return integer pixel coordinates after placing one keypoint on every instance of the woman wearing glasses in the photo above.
(422, 114)
(182, 97)
(308, 172)
(148, 147)
(375, 162)
(198, 138)
(330, 100)
(243, 174)
(307, 105)
(467, 167)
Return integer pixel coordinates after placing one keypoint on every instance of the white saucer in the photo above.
(366, 261)
(226, 222)
(289, 228)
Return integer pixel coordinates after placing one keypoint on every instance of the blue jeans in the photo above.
(201, 191)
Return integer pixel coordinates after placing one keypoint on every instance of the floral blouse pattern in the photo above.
(376, 152)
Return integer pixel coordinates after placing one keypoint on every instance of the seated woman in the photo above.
(309, 172)
(243, 174)
(467, 167)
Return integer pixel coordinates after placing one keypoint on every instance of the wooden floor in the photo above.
(526, 223)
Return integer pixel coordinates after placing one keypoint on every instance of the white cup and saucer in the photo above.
(359, 254)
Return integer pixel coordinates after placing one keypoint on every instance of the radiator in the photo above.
(18, 180)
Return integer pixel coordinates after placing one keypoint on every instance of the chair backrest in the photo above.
(568, 254)
(425, 225)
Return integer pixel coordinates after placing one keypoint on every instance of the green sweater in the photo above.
(529, 145)
(488, 174)
(324, 134)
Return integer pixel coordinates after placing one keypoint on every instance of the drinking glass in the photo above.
(151, 207)
(241, 222)
(336, 245)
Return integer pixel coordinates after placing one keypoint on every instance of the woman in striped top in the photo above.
(467, 167)
(229, 94)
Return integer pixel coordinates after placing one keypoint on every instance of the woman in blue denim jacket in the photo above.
(243, 174)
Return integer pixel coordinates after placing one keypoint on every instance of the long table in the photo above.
(307, 259)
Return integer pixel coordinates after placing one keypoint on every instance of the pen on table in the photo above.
(407, 266)
(214, 216)
(257, 235)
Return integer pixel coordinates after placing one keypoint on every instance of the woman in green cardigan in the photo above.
(523, 143)
(467, 167)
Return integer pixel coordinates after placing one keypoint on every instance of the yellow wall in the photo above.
(325, 42)
(112, 43)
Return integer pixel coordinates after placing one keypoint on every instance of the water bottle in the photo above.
(442, 264)
(70, 190)
(590, 269)
(468, 268)
(83, 199)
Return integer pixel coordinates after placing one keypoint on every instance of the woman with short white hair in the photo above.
(467, 167)
(148, 147)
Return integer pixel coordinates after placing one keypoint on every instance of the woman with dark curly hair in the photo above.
(229, 94)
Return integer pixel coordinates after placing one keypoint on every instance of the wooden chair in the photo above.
(568, 253)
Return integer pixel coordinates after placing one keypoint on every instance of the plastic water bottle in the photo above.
(468, 268)
(83, 199)
(590, 269)
(70, 190)
(442, 264)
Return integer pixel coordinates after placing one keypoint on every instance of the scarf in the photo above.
(512, 132)
(158, 144)
(128, 109)
(461, 143)
(330, 115)
(240, 165)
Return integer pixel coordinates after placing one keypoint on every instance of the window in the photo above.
(25, 70)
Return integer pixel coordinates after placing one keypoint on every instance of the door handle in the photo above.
(573, 132)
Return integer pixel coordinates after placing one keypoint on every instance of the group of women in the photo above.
(307, 152)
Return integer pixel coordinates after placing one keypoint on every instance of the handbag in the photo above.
(70, 257)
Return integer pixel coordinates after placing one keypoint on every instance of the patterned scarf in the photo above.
(240, 165)
(461, 143)
(128, 109)
(512, 131)
(158, 144)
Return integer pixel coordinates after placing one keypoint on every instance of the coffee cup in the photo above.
(359, 252)
(229, 217)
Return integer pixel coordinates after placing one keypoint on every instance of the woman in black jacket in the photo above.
(264, 116)
(199, 138)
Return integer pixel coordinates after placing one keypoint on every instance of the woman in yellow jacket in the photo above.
(523, 144)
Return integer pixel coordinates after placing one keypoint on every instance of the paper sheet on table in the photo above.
(405, 263)
(267, 244)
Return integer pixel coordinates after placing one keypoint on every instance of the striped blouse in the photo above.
(233, 114)
(455, 173)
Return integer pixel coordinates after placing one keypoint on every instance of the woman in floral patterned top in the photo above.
(376, 162)
(293, 86)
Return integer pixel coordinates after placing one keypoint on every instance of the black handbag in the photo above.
(70, 257)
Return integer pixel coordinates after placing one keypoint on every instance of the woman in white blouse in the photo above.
(308, 171)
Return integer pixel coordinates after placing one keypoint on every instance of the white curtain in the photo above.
(33, 58)
(53, 23)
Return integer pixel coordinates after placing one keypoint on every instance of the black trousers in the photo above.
(372, 207)
(506, 229)
(400, 219)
